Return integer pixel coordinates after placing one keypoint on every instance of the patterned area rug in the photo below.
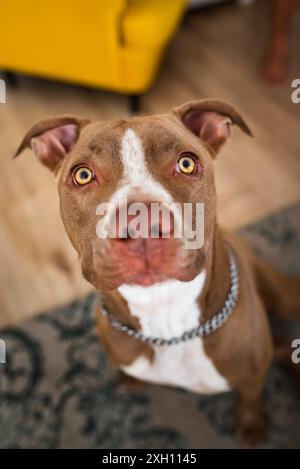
(58, 390)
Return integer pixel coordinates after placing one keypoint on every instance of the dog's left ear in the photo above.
(211, 121)
(52, 139)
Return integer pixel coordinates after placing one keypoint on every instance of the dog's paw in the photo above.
(249, 435)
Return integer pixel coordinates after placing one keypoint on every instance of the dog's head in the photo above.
(164, 159)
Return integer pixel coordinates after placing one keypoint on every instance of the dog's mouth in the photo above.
(142, 262)
(145, 261)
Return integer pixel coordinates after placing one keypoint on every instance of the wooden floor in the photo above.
(216, 53)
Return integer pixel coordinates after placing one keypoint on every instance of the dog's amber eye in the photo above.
(186, 165)
(83, 176)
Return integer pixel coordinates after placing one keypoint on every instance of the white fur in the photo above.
(136, 179)
(165, 310)
(136, 176)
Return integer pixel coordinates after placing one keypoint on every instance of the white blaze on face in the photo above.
(136, 181)
(136, 176)
(137, 185)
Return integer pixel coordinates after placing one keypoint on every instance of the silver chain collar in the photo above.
(204, 329)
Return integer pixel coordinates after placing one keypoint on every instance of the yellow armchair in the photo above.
(113, 44)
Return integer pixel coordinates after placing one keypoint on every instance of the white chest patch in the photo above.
(165, 310)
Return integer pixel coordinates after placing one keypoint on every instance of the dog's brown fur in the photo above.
(242, 349)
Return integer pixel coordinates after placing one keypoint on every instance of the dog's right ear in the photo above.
(211, 121)
(52, 139)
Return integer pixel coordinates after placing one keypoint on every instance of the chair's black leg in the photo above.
(134, 103)
(10, 79)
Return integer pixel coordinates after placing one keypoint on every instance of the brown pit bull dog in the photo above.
(192, 318)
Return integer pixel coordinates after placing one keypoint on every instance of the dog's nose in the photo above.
(143, 220)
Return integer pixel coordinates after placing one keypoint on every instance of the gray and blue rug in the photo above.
(58, 390)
